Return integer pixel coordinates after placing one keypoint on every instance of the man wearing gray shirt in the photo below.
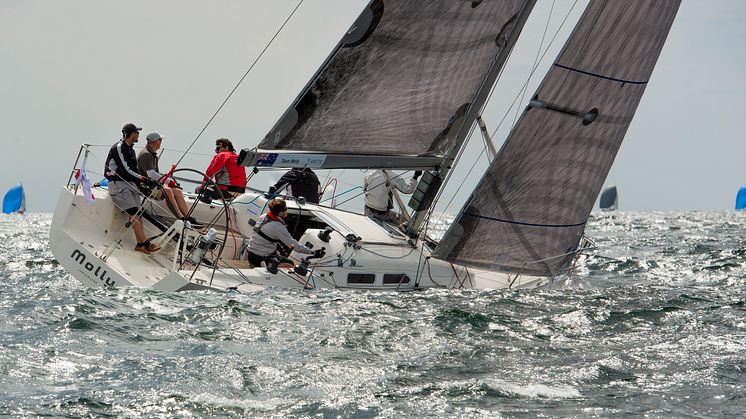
(270, 231)
(147, 165)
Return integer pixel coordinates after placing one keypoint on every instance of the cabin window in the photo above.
(361, 278)
(392, 231)
(395, 279)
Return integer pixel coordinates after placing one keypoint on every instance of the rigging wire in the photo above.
(534, 65)
(239, 82)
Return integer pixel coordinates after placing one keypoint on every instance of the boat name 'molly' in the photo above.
(80, 257)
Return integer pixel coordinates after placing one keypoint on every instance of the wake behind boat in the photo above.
(397, 94)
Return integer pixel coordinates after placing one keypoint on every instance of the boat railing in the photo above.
(75, 165)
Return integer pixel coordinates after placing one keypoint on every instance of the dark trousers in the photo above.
(256, 261)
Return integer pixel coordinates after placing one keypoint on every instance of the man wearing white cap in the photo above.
(147, 165)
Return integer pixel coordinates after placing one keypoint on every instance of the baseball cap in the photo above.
(128, 129)
(153, 136)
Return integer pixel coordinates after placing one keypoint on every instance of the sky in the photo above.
(74, 72)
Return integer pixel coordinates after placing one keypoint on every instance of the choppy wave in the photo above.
(651, 323)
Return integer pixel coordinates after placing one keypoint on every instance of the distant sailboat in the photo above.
(741, 198)
(609, 199)
(14, 200)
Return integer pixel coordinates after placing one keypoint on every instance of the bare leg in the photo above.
(137, 228)
(179, 198)
(170, 196)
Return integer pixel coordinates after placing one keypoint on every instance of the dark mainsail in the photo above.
(401, 80)
(529, 211)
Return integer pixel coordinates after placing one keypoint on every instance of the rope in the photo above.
(239, 82)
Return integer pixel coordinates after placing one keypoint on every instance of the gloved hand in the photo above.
(173, 184)
(417, 174)
(148, 182)
(319, 253)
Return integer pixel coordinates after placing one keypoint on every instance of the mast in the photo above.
(508, 37)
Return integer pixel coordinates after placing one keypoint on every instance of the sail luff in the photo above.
(509, 33)
(480, 98)
(528, 212)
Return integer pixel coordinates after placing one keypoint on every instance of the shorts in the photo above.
(125, 196)
(156, 194)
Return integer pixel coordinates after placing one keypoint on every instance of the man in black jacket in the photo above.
(121, 171)
(302, 182)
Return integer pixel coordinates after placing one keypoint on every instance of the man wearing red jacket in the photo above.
(230, 177)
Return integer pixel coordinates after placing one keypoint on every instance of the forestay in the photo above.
(400, 81)
(529, 211)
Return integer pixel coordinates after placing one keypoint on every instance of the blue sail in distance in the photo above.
(13, 200)
(741, 198)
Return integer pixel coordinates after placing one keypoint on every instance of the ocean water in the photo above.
(652, 323)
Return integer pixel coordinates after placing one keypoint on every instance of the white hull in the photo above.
(91, 242)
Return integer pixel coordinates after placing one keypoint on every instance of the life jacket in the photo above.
(283, 249)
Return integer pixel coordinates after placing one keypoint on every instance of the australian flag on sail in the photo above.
(266, 159)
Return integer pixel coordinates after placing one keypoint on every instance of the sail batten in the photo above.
(402, 79)
(528, 213)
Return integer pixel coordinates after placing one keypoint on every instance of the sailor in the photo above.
(271, 231)
(147, 165)
(302, 182)
(124, 181)
(378, 187)
(228, 174)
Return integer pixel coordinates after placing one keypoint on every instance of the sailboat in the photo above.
(14, 200)
(609, 200)
(741, 198)
(402, 91)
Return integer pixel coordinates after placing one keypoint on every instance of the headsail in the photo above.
(609, 199)
(14, 200)
(529, 211)
(399, 83)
